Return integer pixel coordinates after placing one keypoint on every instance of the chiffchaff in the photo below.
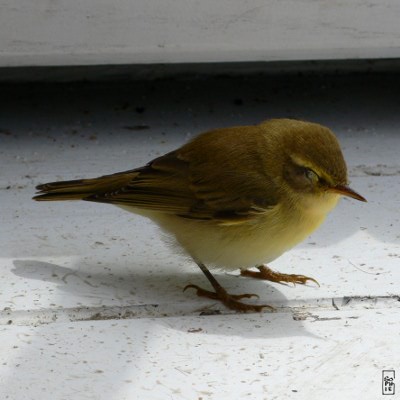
(233, 197)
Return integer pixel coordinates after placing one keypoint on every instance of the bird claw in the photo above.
(230, 300)
(268, 274)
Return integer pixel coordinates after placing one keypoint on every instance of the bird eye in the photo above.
(311, 175)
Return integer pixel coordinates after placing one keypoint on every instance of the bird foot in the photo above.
(230, 300)
(268, 274)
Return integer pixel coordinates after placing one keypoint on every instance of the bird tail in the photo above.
(83, 189)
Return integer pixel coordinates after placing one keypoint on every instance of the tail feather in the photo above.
(81, 189)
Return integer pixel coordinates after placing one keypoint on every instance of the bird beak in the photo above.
(346, 191)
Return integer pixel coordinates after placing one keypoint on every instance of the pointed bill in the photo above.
(347, 191)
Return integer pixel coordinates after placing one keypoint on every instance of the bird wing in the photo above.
(203, 185)
(211, 177)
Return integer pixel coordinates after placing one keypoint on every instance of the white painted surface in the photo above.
(84, 32)
(91, 301)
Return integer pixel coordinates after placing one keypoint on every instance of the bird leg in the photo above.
(229, 300)
(268, 274)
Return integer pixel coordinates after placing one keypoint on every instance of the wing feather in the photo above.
(203, 180)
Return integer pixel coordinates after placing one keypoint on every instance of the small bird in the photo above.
(232, 198)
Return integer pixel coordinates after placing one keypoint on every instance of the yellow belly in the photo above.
(247, 244)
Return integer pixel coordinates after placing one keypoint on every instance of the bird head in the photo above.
(311, 163)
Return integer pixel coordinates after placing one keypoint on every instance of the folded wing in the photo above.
(183, 182)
